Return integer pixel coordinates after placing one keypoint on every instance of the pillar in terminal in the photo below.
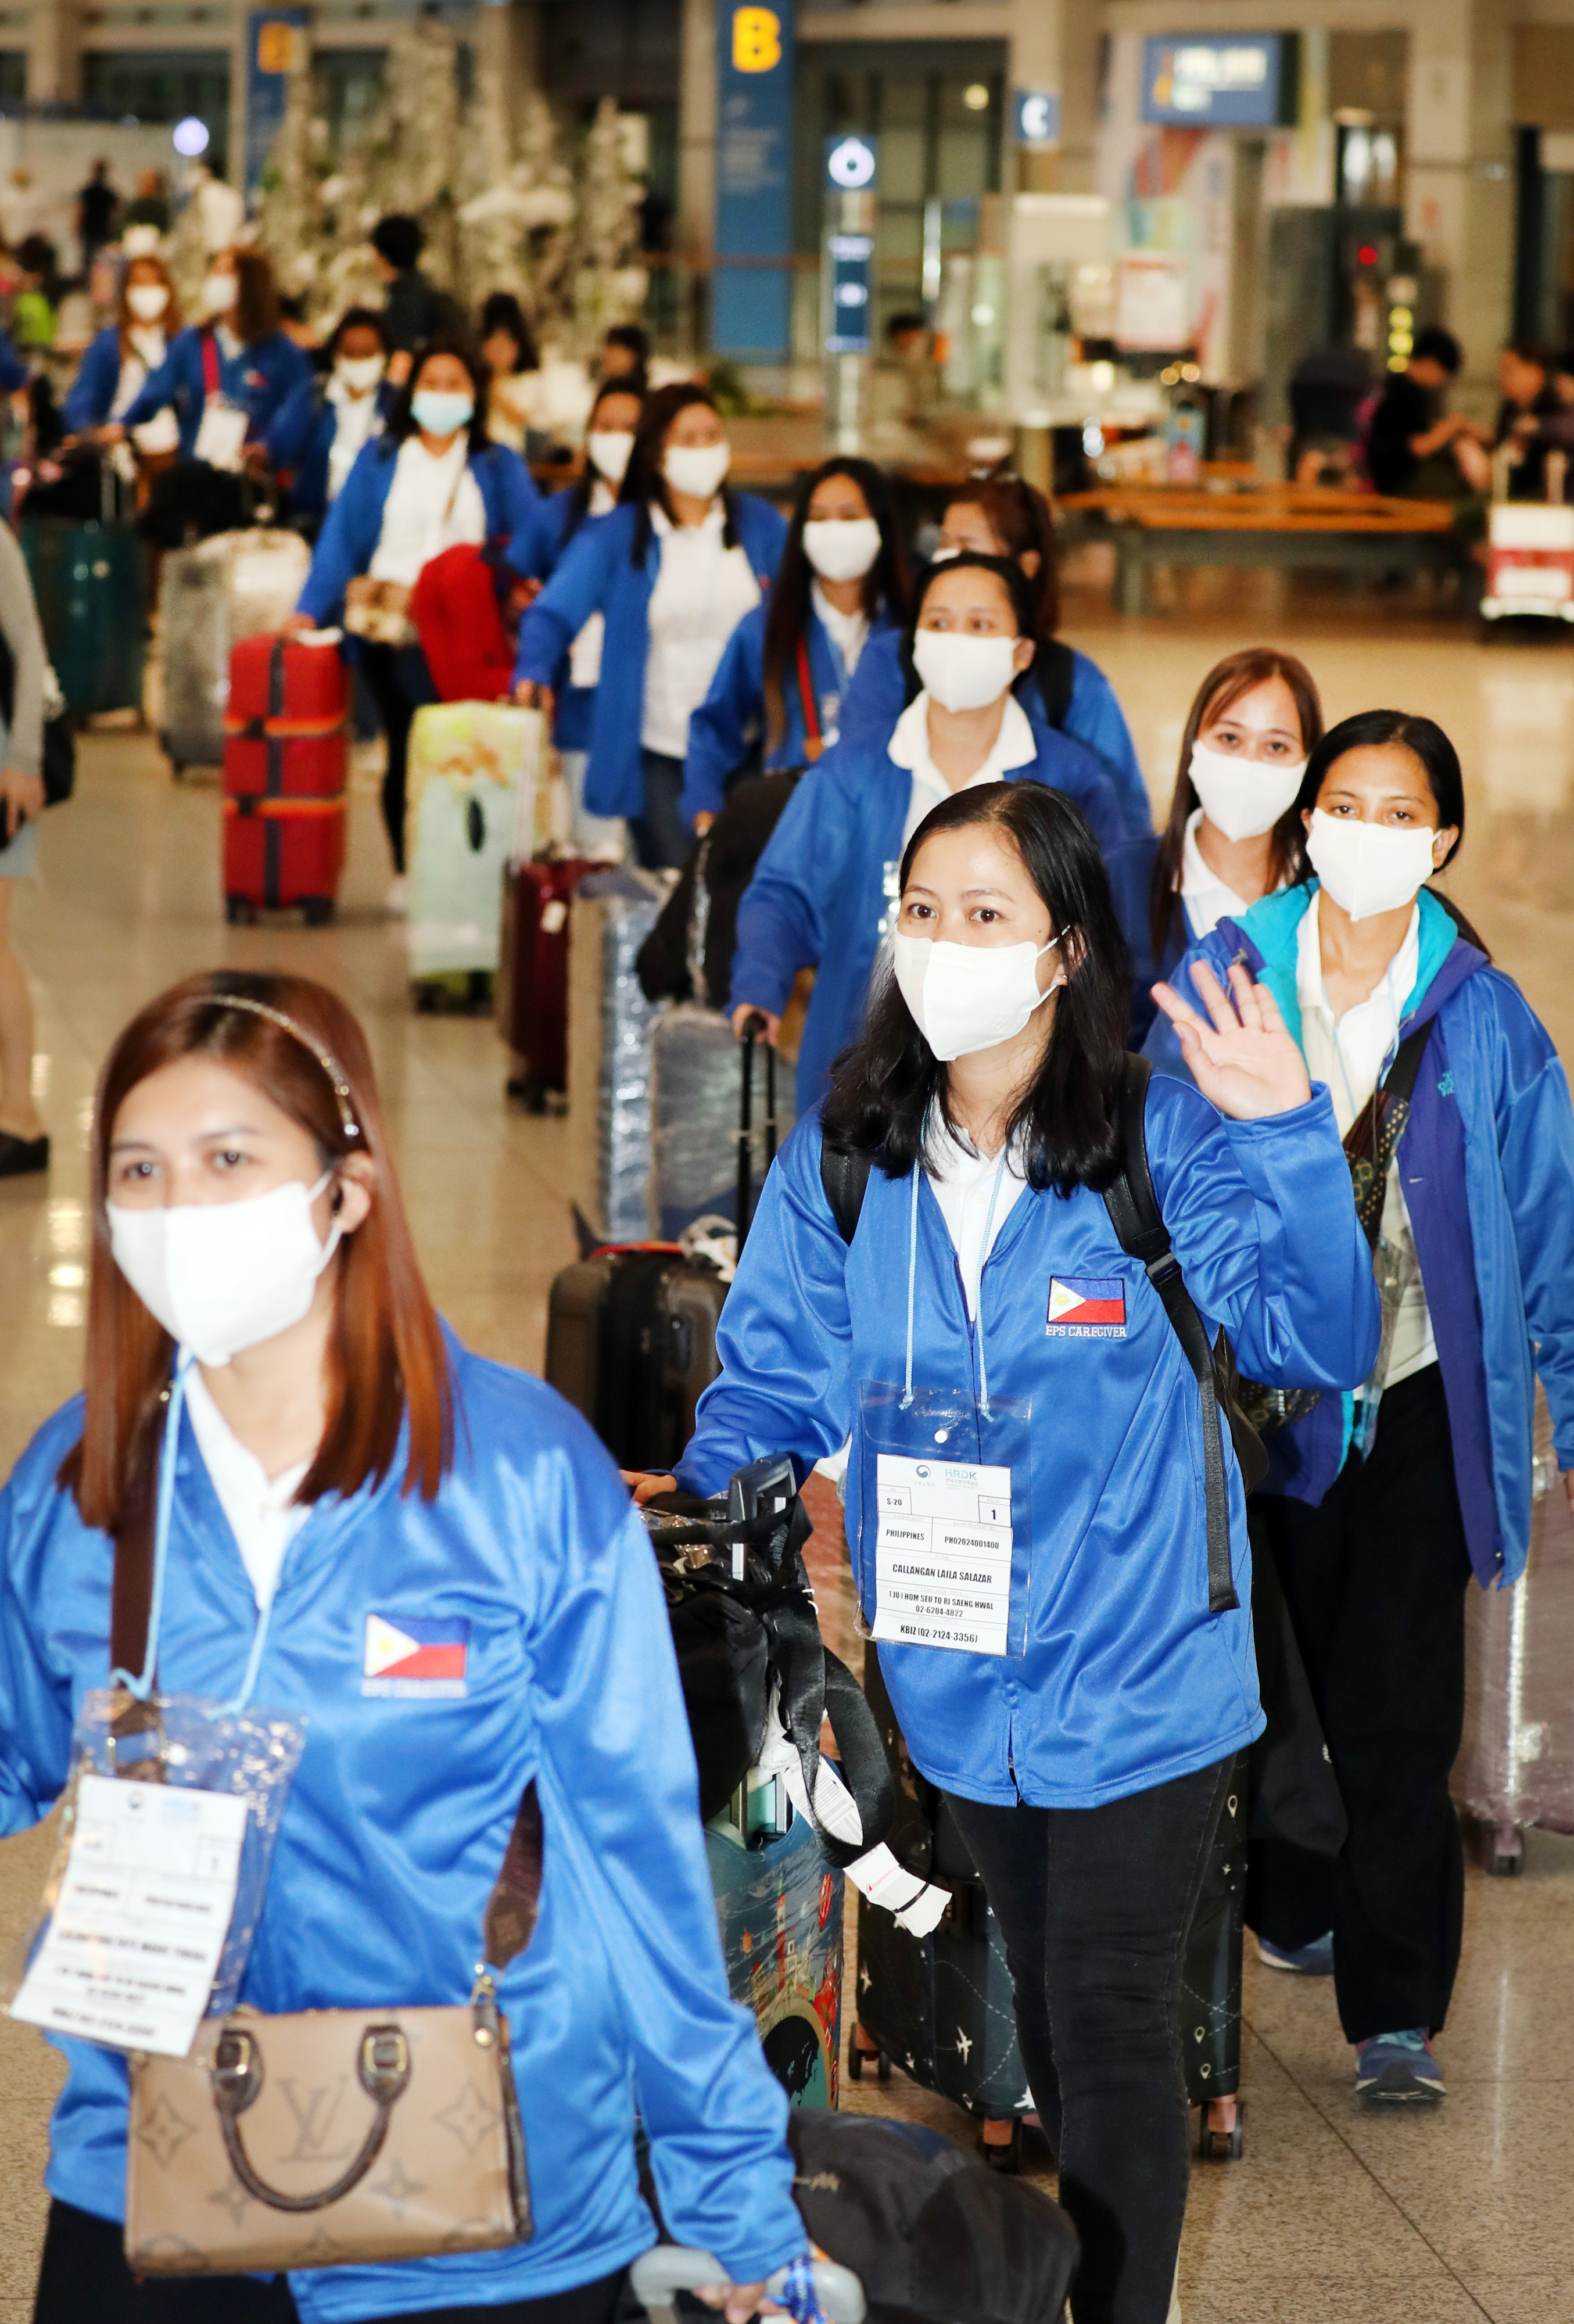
(752, 302)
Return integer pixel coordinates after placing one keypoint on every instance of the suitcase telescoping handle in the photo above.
(667, 2268)
(753, 1026)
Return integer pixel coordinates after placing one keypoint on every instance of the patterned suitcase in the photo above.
(779, 1907)
(474, 768)
(284, 768)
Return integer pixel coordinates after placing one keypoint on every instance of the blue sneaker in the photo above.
(1315, 1959)
(1399, 2068)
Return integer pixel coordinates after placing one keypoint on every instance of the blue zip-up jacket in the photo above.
(1126, 1680)
(574, 705)
(1486, 1160)
(877, 697)
(348, 539)
(596, 575)
(817, 896)
(732, 717)
(91, 393)
(300, 436)
(258, 378)
(401, 1809)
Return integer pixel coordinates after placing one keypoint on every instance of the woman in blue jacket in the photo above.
(1001, 516)
(1456, 1120)
(429, 1560)
(238, 361)
(117, 363)
(674, 570)
(824, 892)
(588, 502)
(429, 480)
(319, 433)
(788, 664)
(1018, 1398)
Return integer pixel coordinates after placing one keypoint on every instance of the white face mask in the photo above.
(1242, 797)
(219, 293)
(841, 549)
(696, 469)
(967, 997)
(359, 374)
(147, 301)
(961, 672)
(608, 450)
(1368, 867)
(221, 1277)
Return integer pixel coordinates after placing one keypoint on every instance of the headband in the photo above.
(338, 1077)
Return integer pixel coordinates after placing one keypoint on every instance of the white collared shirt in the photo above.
(433, 502)
(358, 420)
(702, 591)
(964, 1186)
(1207, 899)
(263, 1513)
(909, 747)
(1349, 1053)
(846, 631)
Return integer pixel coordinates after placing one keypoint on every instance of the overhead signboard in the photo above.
(751, 309)
(850, 331)
(1220, 81)
(851, 164)
(1037, 115)
(276, 44)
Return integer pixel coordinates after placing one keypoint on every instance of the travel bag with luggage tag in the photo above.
(88, 578)
(632, 1327)
(237, 586)
(474, 774)
(785, 1828)
(285, 756)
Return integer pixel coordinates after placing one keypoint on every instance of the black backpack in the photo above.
(1138, 1222)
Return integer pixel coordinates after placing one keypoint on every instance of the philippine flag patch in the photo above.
(415, 1658)
(1086, 1307)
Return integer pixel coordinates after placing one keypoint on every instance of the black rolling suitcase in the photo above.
(632, 1327)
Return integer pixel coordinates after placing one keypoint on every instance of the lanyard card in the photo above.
(152, 1899)
(945, 1527)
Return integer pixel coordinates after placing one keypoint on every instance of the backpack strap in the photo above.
(1138, 1222)
(845, 1178)
(1056, 667)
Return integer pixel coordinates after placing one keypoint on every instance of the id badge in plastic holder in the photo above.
(944, 1518)
(152, 1900)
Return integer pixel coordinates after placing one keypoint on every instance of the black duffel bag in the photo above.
(743, 1619)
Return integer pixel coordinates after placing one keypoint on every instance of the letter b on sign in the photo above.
(756, 39)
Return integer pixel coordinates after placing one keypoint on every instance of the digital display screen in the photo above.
(1233, 80)
(850, 333)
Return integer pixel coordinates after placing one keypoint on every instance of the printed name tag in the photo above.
(942, 1555)
(1086, 1307)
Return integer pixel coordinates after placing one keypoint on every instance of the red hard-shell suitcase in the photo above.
(284, 770)
(533, 985)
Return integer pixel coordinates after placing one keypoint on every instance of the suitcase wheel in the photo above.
(1504, 1852)
(1001, 2143)
(316, 910)
(1222, 2137)
(239, 911)
(863, 2050)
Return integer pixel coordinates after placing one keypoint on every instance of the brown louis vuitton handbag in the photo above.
(330, 2135)
(324, 2136)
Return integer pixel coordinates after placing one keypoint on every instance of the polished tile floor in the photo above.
(1333, 2216)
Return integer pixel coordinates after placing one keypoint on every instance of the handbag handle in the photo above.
(383, 2067)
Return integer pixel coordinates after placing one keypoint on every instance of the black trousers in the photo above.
(663, 842)
(1094, 1905)
(398, 682)
(84, 2280)
(1375, 1581)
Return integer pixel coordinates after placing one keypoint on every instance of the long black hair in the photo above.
(1006, 571)
(885, 582)
(1425, 741)
(643, 482)
(402, 421)
(626, 383)
(883, 1087)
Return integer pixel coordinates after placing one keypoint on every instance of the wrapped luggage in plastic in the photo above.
(473, 775)
(233, 587)
(609, 1025)
(696, 1088)
(1516, 1764)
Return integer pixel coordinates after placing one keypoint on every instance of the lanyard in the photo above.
(983, 1259)
(142, 1685)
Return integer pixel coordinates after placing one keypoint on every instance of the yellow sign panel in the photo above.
(756, 39)
(280, 48)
